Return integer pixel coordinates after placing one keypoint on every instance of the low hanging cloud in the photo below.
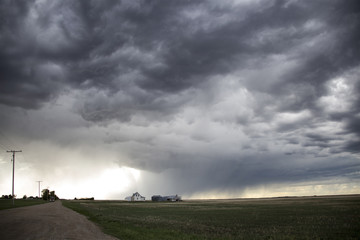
(208, 95)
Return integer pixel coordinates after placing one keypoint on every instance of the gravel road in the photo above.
(50, 221)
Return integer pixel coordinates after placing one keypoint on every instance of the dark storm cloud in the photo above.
(353, 121)
(106, 45)
(29, 74)
(353, 126)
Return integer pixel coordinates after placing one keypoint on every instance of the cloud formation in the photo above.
(204, 95)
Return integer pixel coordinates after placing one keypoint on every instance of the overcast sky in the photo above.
(230, 98)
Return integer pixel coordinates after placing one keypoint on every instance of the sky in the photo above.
(205, 99)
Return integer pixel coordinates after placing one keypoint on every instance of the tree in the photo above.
(45, 194)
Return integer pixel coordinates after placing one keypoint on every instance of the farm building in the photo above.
(135, 197)
(172, 198)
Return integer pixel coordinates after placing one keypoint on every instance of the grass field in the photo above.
(333, 217)
(8, 203)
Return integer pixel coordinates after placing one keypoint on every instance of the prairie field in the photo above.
(8, 203)
(325, 217)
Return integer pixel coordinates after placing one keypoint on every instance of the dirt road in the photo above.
(50, 221)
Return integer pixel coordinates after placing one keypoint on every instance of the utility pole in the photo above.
(13, 173)
(39, 187)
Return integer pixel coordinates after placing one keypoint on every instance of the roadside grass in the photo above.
(333, 217)
(8, 203)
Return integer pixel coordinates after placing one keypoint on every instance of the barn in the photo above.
(171, 198)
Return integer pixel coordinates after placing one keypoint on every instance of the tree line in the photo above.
(46, 195)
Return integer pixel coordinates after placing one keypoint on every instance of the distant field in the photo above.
(332, 217)
(7, 203)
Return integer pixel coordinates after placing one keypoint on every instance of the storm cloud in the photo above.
(201, 97)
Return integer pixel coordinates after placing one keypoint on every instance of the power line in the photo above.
(13, 173)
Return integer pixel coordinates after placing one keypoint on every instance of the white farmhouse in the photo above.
(135, 197)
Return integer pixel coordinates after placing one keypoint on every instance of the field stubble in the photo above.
(331, 217)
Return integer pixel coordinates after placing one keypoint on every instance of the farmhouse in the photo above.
(135, 197)
(172, 198)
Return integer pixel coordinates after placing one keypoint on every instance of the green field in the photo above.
(8, 203)
(333, 217)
